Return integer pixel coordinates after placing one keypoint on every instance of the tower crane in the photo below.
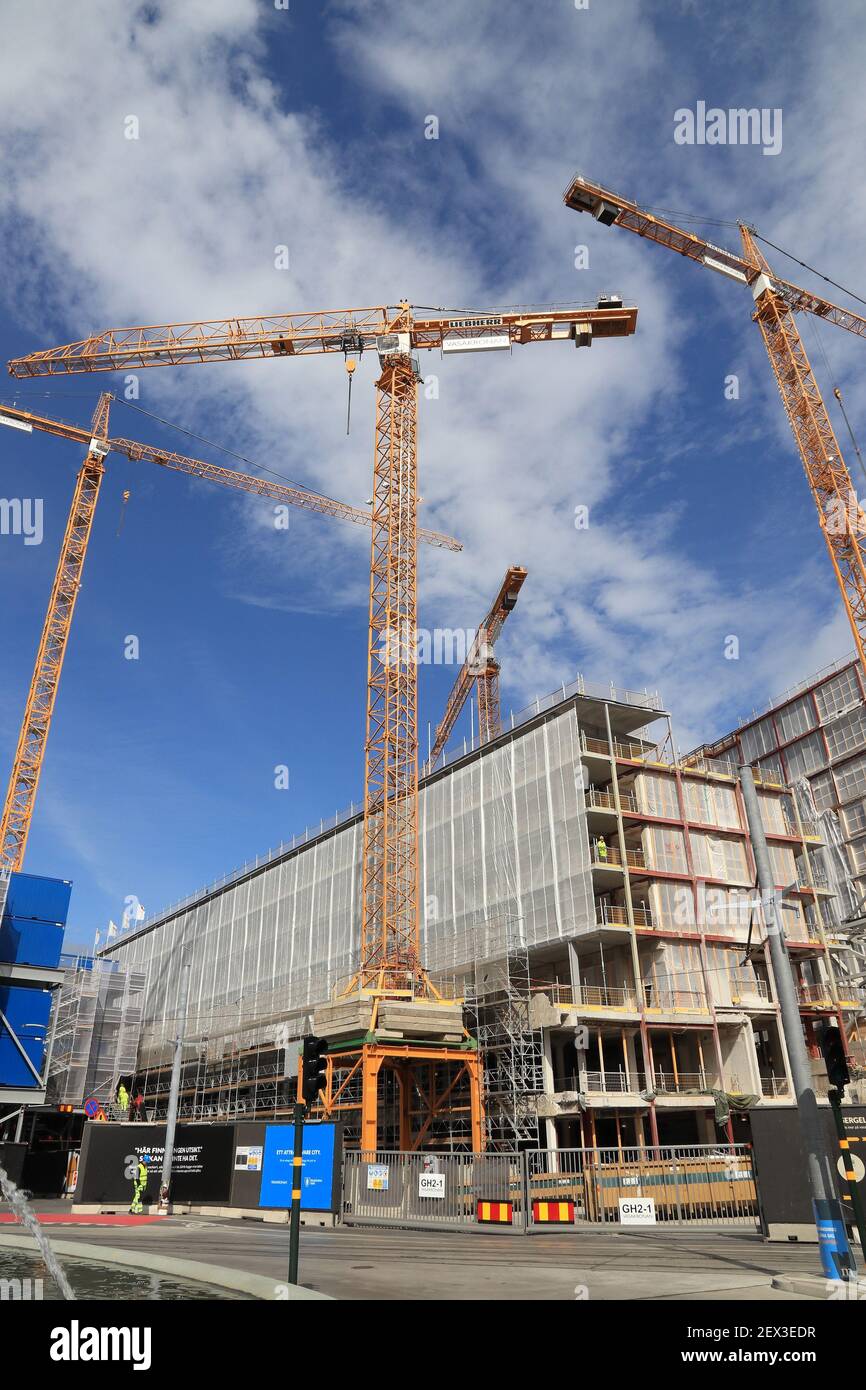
(481, 669)
(390, 967)
(776, 302)
(289, 494)
(17, 812)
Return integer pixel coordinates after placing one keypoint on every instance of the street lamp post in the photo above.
(836, 1257)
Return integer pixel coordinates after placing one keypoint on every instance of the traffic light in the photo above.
(313, 1069)
(834, 1055)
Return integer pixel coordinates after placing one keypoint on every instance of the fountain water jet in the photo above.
(28, 1218)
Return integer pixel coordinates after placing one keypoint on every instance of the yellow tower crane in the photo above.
(481, 669)
(776, 302)
(390, 968)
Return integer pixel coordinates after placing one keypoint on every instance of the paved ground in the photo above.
(356, 1263)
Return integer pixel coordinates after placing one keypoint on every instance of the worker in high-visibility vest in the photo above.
(122, 1100)
(601, 850)
(138, 1192)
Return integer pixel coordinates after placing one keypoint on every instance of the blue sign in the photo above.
(317, 1169)
(833, 1244)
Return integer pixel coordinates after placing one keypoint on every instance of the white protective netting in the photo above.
(503, 846)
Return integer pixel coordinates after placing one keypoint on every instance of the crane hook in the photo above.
(123, 503)
(351, 364)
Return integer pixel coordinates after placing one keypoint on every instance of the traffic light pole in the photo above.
(297, 1161)
(836, 1257)
(850, 1177)
(174, 1090)
(313, 1071)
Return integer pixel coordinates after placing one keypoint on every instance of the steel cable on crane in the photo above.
(211, 444)
(805, 265)
(816, 330)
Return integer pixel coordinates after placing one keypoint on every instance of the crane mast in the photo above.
(27, 764)
(389, 911)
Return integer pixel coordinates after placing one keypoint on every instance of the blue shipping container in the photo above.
(25, 942)
(43, 899)
(27, 1011)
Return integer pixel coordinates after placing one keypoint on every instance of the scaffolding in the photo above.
(98, 1028)
(512, 1050)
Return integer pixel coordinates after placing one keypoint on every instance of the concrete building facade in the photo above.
(590, 896)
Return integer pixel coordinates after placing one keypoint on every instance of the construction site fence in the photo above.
(553, 1189)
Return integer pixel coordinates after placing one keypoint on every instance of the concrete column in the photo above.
(547, 1073)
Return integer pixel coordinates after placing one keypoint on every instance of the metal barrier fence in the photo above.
(686, 1186)
(546, 1189)
(441, 1191)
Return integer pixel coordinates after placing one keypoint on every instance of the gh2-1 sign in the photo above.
(431, 1185)
(637, 1211)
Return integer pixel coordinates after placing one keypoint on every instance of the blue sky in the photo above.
(306, 127)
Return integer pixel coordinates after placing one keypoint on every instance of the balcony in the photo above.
(632, 752)
(774, 1087)
(609, 914)
(675, 1001)
(611, 922)
(598, 799)
(811, 829)
(819, 879)
(594, 745)
(815, 996)
(602, 801)
(643, 917)
(614, 1083)
(803, 934)
(593, 998)
(634, 858)
(747, 990)
(681, 1083)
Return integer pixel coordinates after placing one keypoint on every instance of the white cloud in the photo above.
(183, 223)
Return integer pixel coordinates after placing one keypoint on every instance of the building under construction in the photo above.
(587, 900)
(588, 894)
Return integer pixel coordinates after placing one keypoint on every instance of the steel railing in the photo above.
(634, 858)
(603, 801)
(642, 917)
(610, 914)
(591, 996)
(747, 987)
(675, 1000)
(607, 1082)
(815, 994)
(774, 1086)
(678, 1083)
(606, 801)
